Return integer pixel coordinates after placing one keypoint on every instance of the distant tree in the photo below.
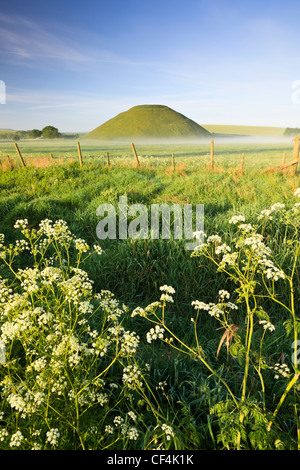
(292, 131)
(50, 132)
(34, 133)
(19, 135)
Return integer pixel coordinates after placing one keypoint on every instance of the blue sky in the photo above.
(76, 64)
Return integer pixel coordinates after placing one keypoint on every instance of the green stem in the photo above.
(295, 361)
(248, 346)
(288, 388)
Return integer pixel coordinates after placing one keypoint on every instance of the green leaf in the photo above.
(261, 314)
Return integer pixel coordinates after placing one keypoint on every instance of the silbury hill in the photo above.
(149, 122)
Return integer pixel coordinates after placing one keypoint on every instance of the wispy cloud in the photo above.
(31, 43)
(28, 40)
(47, 99)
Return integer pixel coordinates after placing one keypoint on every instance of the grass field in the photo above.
(186, 397)
(245, 130)
(73, 193)
(193, 155)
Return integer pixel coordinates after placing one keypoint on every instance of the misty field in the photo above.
(259, 152)
(141, 344)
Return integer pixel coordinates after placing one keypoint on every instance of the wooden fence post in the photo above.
(20, 156)
(242, 163)
(135, 155)
(173, 161)
(291, 164)
(212, 155)
(295, 155)
(284, 158)
(108, 162)
(79, 153)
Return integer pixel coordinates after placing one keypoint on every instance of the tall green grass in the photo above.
(131, 267)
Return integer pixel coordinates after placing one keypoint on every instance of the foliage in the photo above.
(34, 133)
(19, 135)
(245, 420)
(70, 373)
(50, 132)
(291, 132)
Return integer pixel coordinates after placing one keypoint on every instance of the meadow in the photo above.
(145, 345)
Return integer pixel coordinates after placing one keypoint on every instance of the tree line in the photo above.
(292, 132)
(48, 132)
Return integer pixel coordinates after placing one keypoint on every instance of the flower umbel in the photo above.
(155, 333)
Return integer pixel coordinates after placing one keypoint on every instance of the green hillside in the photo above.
(245, 130)
(146, 122)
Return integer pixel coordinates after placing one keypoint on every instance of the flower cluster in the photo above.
(254, 245)
(132, 376)
(53, 436)
(167, 290)
(76, 287)
(60, 339)
(236, 219)
(40, 240)
(55, 231)
(122, 426)
(143, 312)
(161, 385)
(168, 431)
(269, 269)
(215, 310)
(139, 311)
(16, 439)
(21, 223)
(224, 294)
(267, 325)
(155, 333)
(281, 370)
(81, 245)
(97, 249)
(249, 246)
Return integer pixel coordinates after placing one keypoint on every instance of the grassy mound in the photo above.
(146, 122)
